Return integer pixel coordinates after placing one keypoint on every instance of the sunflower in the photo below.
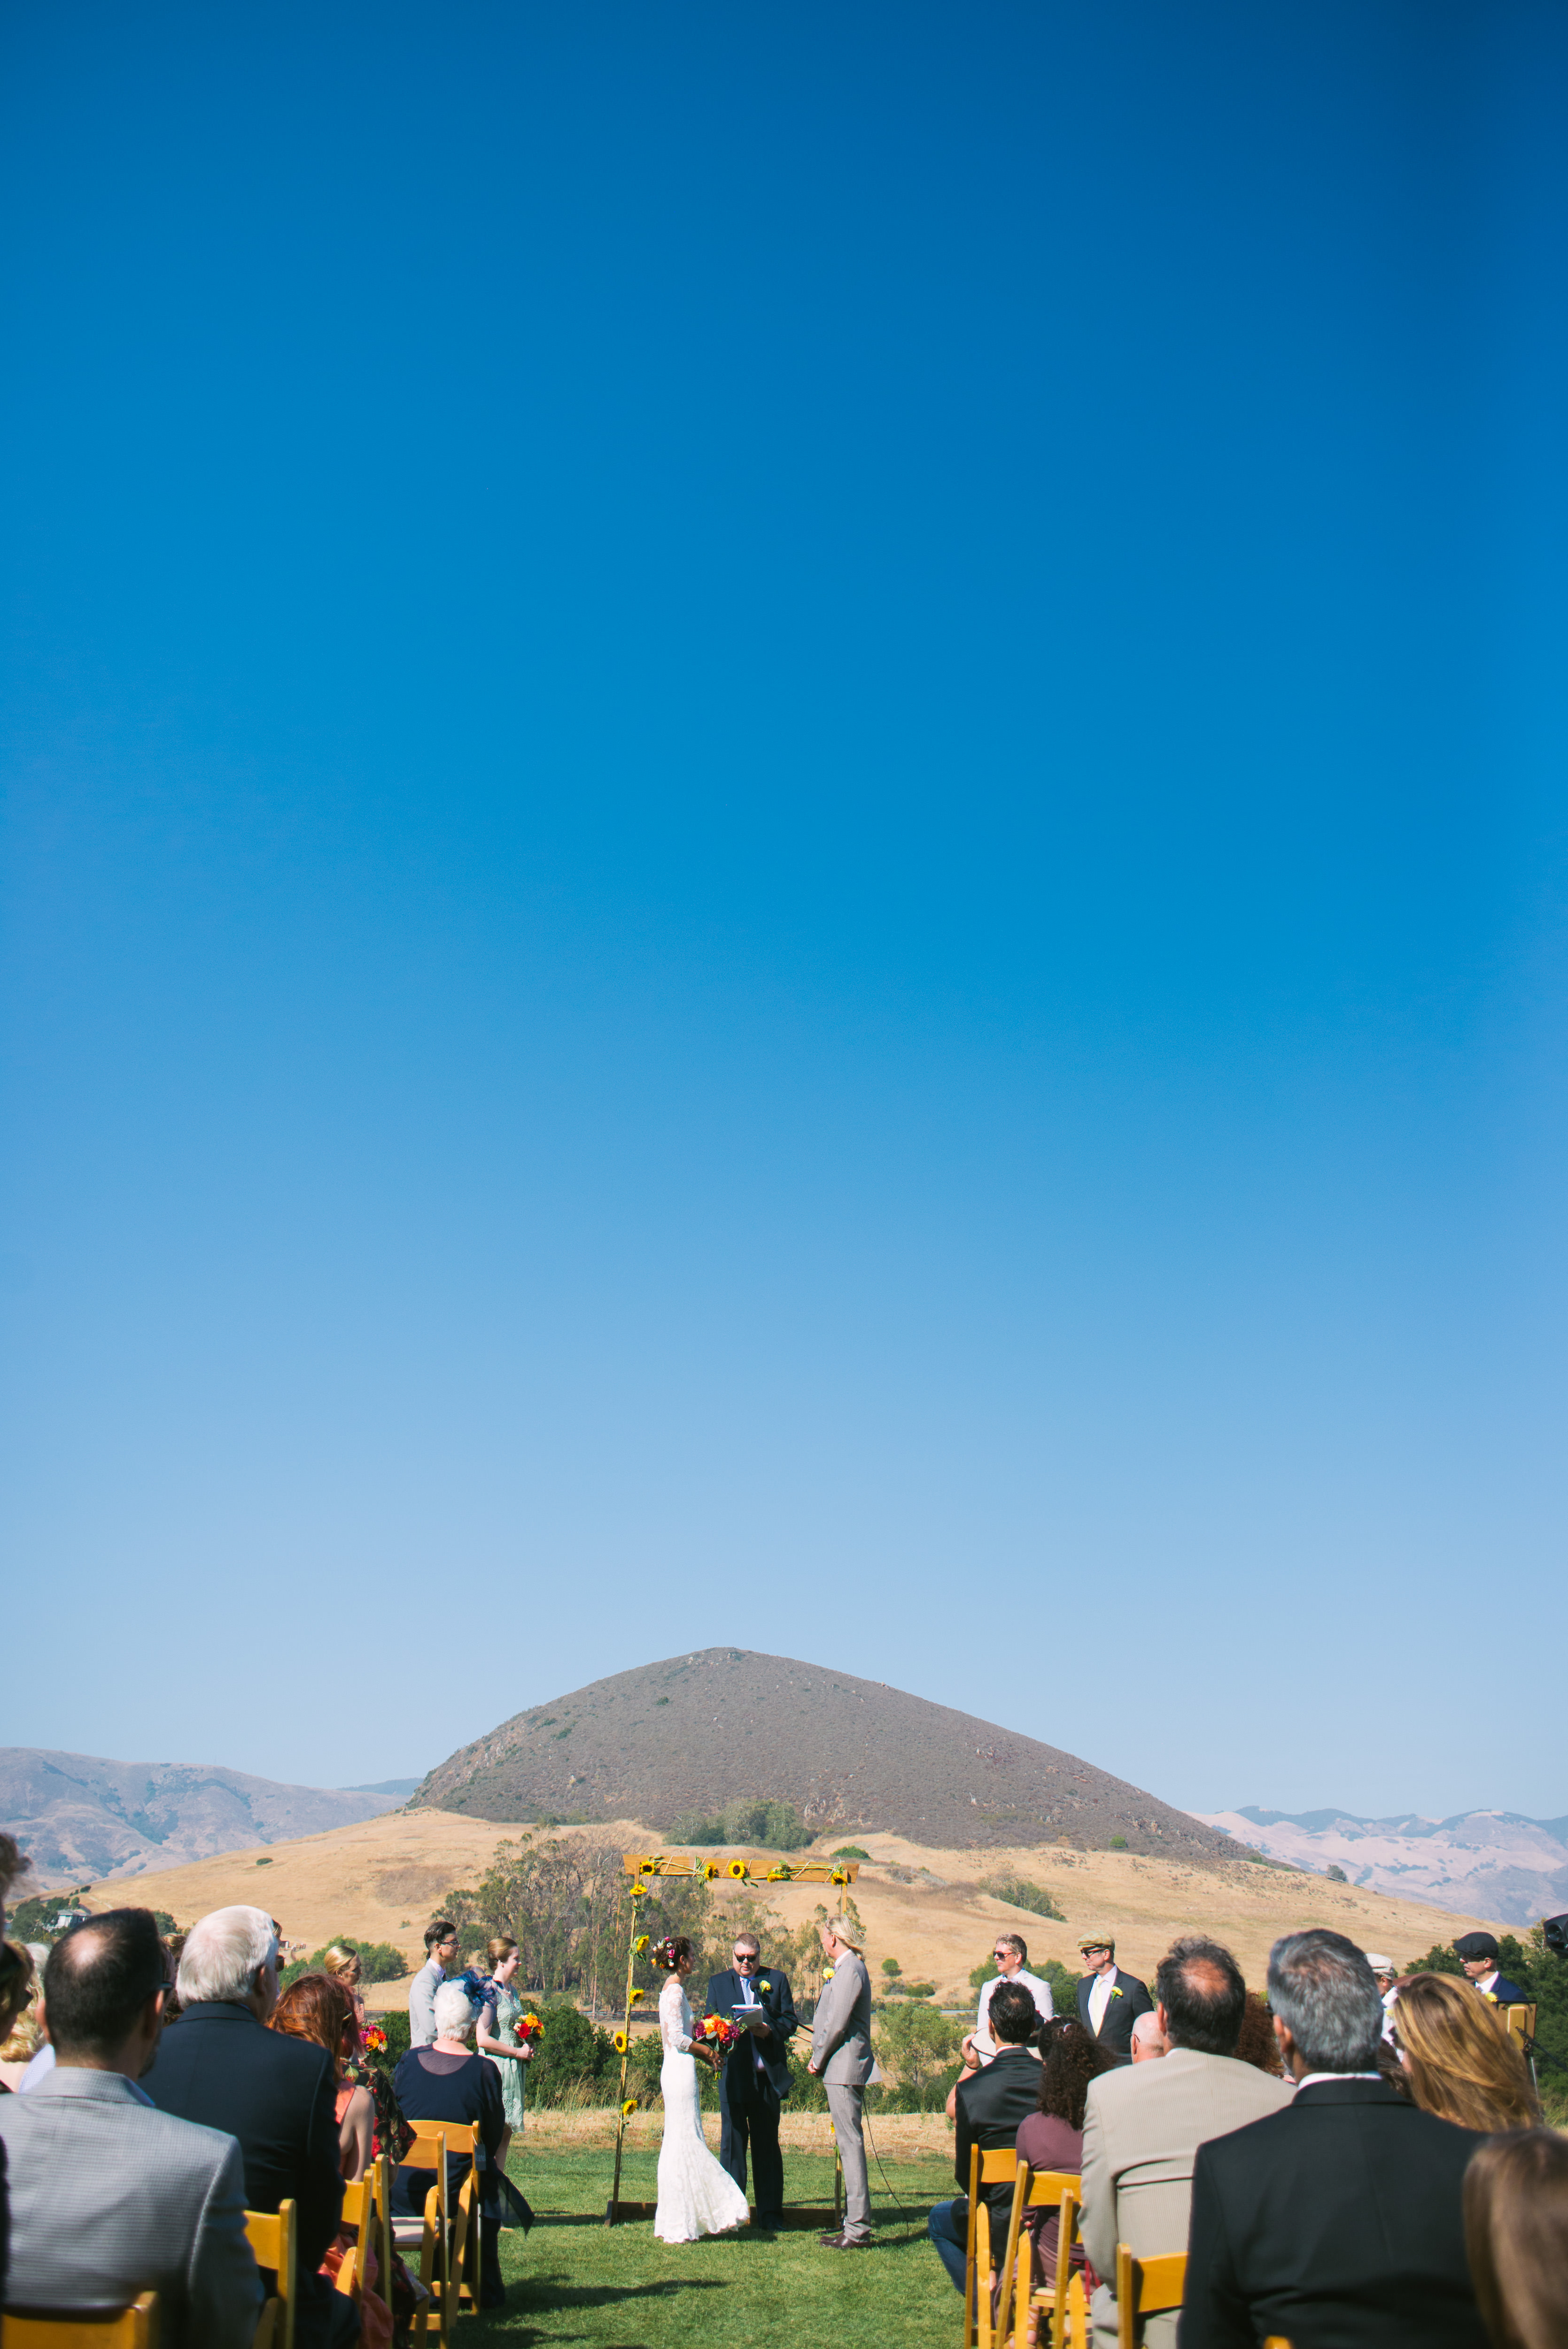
(620, 2042)
(638, 1890)
(710, 1871)
(637, 1994)
(838, 1877)
(738, 1870)
(628, 2108)
(640, 1945)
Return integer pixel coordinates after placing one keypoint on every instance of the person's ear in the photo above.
(1163, 2020)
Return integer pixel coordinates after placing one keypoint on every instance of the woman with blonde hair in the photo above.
(1462, 2065)
(342, 1966)
(1516, 2238)
(496, 2036)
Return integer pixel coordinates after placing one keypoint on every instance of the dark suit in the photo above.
(990, 2110)
(1115, 2032)
(749, 2096)
(219, 2066)
(1337, 2223)
(1507, 1993)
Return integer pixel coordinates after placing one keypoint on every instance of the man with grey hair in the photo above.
(220, 2066)
(841, 2058)
(1341, 2217)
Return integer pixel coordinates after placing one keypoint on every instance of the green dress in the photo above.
(507, 2007)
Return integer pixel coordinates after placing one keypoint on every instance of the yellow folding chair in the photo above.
(364, 2198)
(135, 2327)
(1043, 2189)
(434, 2246)
(272, 2244)
(1145, 2288)
(999, 2167)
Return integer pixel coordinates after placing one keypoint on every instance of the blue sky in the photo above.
(783, 863)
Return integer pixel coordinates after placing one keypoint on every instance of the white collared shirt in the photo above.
(1316, 2079)
(1487, 1982)
(1099, 1999)
(1040, 1991)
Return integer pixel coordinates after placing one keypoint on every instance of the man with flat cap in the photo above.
(1478, 1955)
(1109, 2002)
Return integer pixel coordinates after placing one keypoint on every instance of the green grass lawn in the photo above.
(575, 2280)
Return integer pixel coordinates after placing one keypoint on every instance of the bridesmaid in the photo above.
(497, 2036)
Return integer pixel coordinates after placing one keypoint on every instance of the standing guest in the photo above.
(1516, 2234)
(841, 2058)
(1339, 2218)
(1462, 2064)
(223, 2067)
(1052, 2137)
(1386, 1974)
(496, 2036)
(1479, 1954)
(440, 1955)
(1144, 2122)
(1148, 2039)
(447, 2081)
(993, 2106)
(756, 2073)
(318, 2010)
(342, 1965)
(110, 2197)
(1011, 1953)
(1109, 2002)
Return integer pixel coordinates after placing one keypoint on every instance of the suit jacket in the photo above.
(1143, 2128)
(422, 2003)
(220, 2066)
(110, 2197)
(1337, 2221)
(725, 1993)
(989, 2110)
(841, 2032)
(1507, 1993)
(1130, 1998)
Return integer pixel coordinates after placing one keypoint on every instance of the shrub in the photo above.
(1020, 1893)
(1336, 1874)
(890, 1966)
(771, 1826)
(915, 2042)
(850, 1851)
(1118, 1843)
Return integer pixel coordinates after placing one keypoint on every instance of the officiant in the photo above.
(756, 2073)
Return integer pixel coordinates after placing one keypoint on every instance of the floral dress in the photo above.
(507, 2006)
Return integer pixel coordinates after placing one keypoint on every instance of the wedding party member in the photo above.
(1516, 2234)
(1340, 2216)
(447, 2081)
(496, 2035)
(841, 2058)
(110, 2197)
(991, 2108)
(221, 2066)
(440, 1954)
(342, 1966)
(1143, 2122)
(697, 2197)
(1012, 1956)
(1479, 1954)
(755, 2072)
(1109, 2002)
(1460, 2063)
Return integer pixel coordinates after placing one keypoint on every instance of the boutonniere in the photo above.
(1490, 1996)
(764, 1986)
(1116, 1994)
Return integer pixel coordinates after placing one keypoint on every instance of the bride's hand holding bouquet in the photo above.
(714, 2037)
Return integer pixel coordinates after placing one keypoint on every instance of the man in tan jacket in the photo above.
(841, 2058)
(1145, 2122)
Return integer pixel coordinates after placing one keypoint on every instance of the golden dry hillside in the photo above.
(381, 1878)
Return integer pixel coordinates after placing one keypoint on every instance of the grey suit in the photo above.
(841, 2057)
(110, 2197)
(1140, 2137)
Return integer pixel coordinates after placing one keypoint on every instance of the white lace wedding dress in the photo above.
(695, 2196)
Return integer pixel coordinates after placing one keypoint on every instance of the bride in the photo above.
(695, 2196)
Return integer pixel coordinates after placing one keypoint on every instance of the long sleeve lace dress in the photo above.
(695, 2196)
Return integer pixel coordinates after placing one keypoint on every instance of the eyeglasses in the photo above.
(745, 1957)
(1095, 1949)
(1001, 1956)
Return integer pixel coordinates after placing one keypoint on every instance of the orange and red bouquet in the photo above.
(714, 2031)
(528, 2026)
(373, 2039)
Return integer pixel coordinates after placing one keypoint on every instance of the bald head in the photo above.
(1148, 2039)
(103, 1987)
(1201, 1996)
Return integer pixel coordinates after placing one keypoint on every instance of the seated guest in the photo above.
(342, 1966)
(1516, 2234)
(1478, 1955)
(1255, 2040)
(18, 2023)
(1143, 2122)
(1109, 2001)
(110, 2197)
(320, 2012)
(219, 2066)
(1339, 2218)
(992, 2105)
(449, 2082)
(1148, 2039)
(1462, 2065)
(441, 1953)
(1052, 2137)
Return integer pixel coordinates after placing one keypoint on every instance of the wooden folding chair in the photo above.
(1145, 2288)
(1043, 2189)
(364, 2200)
(135, 2327)
(272, 2244)
(993, 2169)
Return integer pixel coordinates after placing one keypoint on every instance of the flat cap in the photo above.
(1099, 1941)
(1476, 1945)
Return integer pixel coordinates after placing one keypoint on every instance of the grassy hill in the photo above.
(851, 1755)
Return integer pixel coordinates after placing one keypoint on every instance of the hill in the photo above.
(850, 1755)
(81, 1817)
(1513, 1867)
(380, 1881)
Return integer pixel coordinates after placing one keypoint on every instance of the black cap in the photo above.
(1476, 1945)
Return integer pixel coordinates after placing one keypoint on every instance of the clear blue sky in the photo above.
(784, 862)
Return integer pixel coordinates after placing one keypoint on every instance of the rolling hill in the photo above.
(849, 1754)
(1496, 1862)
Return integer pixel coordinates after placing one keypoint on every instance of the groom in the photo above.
(755, 2072)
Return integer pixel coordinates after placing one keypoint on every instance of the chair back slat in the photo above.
(272, 2237)
(1146, 2287)
(132, 2327)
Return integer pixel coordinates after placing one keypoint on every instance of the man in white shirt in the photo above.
(1109, 2001)
(442, 1947)
(1012, 1958)
(1386, 1975)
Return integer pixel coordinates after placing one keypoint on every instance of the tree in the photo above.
(915, 2042)
(1020, 1893)
(891, 1968)
(755, 1821)
(1336, 1874)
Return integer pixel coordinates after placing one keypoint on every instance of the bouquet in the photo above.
(526, 2027)
(715, 2031)
(373, 2039)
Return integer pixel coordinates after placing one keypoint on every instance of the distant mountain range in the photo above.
(1490, 1863)
(82, 1818)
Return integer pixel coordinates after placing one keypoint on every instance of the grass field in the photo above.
(574, 2280)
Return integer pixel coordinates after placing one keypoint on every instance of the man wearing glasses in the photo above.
(1012, 1957)
(755, 2074)
(1109, 2002)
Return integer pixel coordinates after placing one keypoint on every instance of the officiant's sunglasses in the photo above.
(747, 1958)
